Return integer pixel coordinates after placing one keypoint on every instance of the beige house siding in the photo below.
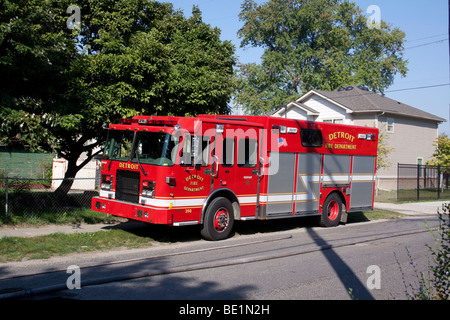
(327, 110)
(411, 139)
(365, 120)
(294, 113)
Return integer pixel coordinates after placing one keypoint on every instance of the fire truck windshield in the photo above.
(155, 148)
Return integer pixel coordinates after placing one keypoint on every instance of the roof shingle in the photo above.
(359, 99)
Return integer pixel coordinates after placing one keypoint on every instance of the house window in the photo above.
(390, 125)
(421, 169)
(338, 121)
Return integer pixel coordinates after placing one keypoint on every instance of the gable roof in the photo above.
(357, 99)
(296, 104)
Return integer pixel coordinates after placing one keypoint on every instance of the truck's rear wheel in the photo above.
(331, 211)
(219, 220)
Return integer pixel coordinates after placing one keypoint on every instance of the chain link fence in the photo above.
(422, 182)
(23, 199)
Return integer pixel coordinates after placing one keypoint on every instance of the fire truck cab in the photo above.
(212, 170)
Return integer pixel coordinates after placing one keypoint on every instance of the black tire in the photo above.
(331, 211)
(219, 220)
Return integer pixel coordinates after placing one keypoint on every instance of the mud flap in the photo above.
(344, 215)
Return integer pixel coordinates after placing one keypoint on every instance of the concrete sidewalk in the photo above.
(413, 209)
(28, 232)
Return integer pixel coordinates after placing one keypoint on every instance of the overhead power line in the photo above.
(426, 38)
(416, 88)
(426, 44)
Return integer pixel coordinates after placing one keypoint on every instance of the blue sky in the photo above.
(427, 48)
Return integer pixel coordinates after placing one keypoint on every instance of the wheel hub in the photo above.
(221, 220)
(333, 210)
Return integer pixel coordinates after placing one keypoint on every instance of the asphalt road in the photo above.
(362, 261)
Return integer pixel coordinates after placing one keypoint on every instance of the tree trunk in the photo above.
(72, 168)
(69, 176)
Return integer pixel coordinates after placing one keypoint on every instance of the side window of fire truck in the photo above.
(195, 151)
(247, 152)
(228, 152)
(118, 145)
(311, 138)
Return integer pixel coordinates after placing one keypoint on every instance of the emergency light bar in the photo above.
(149, 122)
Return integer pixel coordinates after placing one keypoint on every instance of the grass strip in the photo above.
(59, 244)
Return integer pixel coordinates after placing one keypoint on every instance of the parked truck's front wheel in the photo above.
(219, 220)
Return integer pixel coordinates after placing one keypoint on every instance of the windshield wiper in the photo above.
(139, 162)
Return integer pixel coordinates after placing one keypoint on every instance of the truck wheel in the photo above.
(219, 219)
(331, 211)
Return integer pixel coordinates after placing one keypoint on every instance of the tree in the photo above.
(441, 154)
(383, 151)
(313, 44)
(127, 57)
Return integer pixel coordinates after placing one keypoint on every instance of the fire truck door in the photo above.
(223, 166)
(236, 166)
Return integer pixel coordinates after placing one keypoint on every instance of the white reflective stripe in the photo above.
(363, 178)
(305, 196)
(247, 199)
(309, 195)
(279, 197)
(187, 202)
(335, 178)
(165, 203)
(105, 194)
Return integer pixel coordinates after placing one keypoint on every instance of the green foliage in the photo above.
(436, 284)
(313, 44)
(440, 253)
(383, 151)
(128, 57)
(441, 154)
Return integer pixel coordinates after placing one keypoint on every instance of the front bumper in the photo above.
(132, 211)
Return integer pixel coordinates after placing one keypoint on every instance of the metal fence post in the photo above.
(439, 182)
(398, 178)
(418, 182)
(6, 202)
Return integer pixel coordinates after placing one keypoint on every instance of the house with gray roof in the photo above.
(411, 132)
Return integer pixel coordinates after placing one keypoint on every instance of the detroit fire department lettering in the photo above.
(341, 135)
(125, 165)
(193, 181)
(340, 146)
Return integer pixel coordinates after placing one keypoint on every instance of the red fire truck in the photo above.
(212, 170)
